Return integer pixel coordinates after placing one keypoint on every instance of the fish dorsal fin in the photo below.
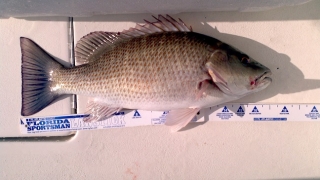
(95, 44)
(91, 46)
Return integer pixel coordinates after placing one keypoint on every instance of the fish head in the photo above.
(236, 74)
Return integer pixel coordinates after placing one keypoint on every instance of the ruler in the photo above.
(132, 118)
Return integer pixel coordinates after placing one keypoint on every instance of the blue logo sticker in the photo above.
(314, 109)
(225, 109)
(255, 110)
(284, 110)
(225, 115)
(21, 122)
(240, 111)
(136, 114)
(161, 119)
(314, 114)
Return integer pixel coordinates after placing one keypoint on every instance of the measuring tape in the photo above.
(132, 118)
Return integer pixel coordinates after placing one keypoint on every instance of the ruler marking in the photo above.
(128, 118)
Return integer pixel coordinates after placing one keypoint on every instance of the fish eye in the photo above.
(245, 59)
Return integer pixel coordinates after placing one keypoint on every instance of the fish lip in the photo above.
(265, 76)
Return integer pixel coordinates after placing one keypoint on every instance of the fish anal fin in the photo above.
(179, 118)
(99, 111)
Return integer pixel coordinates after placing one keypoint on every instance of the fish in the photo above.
(158, 66)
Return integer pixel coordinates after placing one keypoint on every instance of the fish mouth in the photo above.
(264, 79)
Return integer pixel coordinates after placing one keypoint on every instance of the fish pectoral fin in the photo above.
(215, 75)
(99, 111)
(179, 118)
(210, 67)
(218, 79)
(220, 82)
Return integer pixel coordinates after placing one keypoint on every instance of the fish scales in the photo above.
(147, 69)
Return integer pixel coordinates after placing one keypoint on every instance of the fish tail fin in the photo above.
(36, 69)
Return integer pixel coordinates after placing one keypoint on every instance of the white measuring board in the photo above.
(131, 118)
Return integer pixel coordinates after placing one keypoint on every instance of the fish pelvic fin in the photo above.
(36, 72)
(179, 118)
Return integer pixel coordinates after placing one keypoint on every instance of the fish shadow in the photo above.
(286, 79)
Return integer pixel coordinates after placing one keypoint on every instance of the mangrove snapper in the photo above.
(159, 66)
